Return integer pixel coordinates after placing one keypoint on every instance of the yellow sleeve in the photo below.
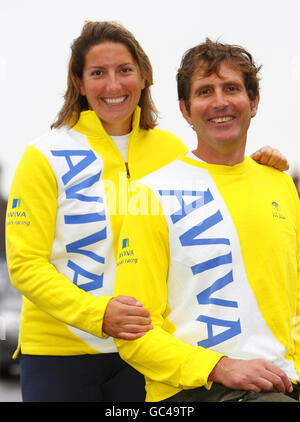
(30, 228)
(142, 271)
(297, 319)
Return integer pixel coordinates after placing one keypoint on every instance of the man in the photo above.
(215, 257)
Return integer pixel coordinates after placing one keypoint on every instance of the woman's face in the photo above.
(112, 84)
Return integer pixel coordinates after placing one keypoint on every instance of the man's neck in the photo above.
(228, 157)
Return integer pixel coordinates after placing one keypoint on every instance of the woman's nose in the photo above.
(113, 83)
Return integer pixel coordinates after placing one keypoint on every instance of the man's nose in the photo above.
(220, 99)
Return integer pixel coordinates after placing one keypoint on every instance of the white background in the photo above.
(35, 38)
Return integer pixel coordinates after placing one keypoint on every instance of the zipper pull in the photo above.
(127, 170)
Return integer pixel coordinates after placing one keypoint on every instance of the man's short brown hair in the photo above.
(208, 57)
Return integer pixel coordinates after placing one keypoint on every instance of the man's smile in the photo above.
(221, 119)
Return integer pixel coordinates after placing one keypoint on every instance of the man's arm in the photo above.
(142, 271)
(158, 354)
(296, 322)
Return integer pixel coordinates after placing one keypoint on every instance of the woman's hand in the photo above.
(271, 157)
(126, 318)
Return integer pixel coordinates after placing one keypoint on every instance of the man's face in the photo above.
(220, 110)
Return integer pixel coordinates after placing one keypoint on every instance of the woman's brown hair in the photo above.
(94, 33)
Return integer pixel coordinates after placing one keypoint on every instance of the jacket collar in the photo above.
(89, 124)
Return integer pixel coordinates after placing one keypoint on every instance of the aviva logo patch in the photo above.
(16, 203)
(126, 256)
(125, 243)
(17, 216)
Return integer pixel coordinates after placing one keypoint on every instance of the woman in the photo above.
(65, 210)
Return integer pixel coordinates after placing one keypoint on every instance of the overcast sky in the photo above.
(35, 38)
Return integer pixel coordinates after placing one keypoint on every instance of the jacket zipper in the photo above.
(127, 170)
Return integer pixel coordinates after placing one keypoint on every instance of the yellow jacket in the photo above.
(65, 209)
(215, 257)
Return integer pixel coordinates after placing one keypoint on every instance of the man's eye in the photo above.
(204, 91)
(231, 88)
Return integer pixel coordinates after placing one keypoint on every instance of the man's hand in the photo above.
(126, 318)
(252, 375)
(271, 157)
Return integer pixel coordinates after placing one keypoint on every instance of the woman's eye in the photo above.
(125, 70)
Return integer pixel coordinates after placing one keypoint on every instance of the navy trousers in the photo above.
(85, 378)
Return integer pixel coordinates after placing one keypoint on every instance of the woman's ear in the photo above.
(80, 86)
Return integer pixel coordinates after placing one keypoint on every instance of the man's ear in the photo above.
(254, 105)
(184, 112)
